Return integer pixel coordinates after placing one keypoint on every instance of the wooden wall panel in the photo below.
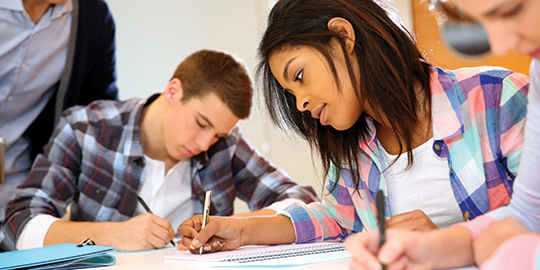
(429, 40)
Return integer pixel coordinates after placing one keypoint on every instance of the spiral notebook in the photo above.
(294, 254)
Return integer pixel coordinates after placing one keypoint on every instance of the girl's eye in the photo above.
(299, 76)
(514, 11)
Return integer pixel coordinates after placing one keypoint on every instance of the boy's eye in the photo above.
(299, 76)
(514, 11)
(199, 123)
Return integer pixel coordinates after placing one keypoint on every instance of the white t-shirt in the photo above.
(425, 186)
(168, 194)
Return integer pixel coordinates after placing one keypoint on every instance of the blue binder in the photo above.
(62, 256)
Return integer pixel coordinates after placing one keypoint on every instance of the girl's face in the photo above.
(510, 24)
(305, 73)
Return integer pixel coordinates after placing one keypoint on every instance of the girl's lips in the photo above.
(317, 112)
(323, 115)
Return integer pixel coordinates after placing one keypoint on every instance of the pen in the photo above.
(149, 211)
(206, 211)
(379, 198)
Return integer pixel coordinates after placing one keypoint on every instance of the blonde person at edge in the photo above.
(169, 149)
(443, 145)
(507, 238)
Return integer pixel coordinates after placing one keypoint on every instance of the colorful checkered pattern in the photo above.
(478, 125)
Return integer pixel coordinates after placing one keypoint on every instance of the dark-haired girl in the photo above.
(443, 145)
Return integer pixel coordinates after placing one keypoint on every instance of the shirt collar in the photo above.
(445, 106)
(131, 137)
(58, 9)
(446, 114)
(15, 5)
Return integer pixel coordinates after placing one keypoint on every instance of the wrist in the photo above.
(103, 233)
(449, 248)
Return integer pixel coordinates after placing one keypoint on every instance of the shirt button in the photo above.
(451, 172)
(9, 98)
(98, 191)
(437, 147)
(23, 65)
(199, 192)
(218, 204)
(467, 215)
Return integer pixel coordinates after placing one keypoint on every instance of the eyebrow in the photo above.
(212, 126)
(286, 69)
(494, 11)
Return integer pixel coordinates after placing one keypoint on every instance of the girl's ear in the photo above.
(345, 30)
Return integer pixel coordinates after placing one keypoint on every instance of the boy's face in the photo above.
(192, 127)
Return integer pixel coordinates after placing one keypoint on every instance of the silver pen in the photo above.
(206, 213)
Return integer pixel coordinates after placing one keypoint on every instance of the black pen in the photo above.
(149, 211)
(379, 198)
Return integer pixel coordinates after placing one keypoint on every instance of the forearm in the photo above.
(451, 248)
(262, 212)
(75, 231)
(268, 230)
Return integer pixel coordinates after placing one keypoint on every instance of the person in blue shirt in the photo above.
(54, 54)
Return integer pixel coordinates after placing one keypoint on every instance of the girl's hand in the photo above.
(402, 250)
(415, 220)
(223, 233)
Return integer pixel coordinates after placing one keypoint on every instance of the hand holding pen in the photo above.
(147, 208)
(395, 248)
(220, 233)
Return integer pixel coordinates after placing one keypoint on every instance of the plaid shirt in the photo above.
(95, 162)
(478, 124)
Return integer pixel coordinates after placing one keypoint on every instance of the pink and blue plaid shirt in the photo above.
(478, 126)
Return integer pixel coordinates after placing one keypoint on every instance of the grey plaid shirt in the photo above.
(95, 161)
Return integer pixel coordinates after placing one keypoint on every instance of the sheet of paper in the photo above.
(291, 261)
(267, 255)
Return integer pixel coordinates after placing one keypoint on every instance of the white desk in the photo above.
(155, 260)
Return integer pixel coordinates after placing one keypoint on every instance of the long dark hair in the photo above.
(390, 66)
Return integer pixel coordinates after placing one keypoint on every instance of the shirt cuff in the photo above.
(517, 252)
(280, 205)
(477, 225)
(34, 232)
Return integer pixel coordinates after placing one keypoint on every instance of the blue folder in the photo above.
(62, 256)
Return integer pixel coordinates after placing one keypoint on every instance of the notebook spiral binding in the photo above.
(285, 253)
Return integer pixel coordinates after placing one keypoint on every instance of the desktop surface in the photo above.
(155, 260)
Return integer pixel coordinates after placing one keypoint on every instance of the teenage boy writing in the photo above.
(169, 149)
